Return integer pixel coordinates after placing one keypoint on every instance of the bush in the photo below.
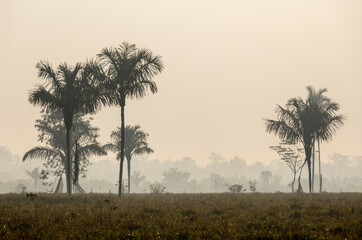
(157, 188)
(252, 185)
(236, 188)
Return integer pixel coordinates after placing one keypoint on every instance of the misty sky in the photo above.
(227, 65)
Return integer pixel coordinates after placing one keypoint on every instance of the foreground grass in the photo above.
(182, 216)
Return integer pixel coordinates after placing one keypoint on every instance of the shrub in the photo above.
(236, 188)
(252, 185)
(157, 188)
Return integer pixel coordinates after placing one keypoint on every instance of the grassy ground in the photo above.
(182, 216)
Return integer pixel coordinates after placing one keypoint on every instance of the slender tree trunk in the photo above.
(300, 188)
(307, 158)
(122, 151)
(293, 182)
(313, 166)
(129, 175)
(69, 165)
(320, 171)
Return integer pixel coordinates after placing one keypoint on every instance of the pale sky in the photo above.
(227, 65)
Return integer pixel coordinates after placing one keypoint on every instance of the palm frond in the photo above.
(281, 129)
(143, 150)
(330, 126)
(45, 71)
(42, 153)
(92, 150)
(44, 98)
(110, 147)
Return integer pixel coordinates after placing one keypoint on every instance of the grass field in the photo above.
(182, 216)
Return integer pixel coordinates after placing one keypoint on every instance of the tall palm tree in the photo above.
(83, 146)
(305, 121)
(127, 72)
(135, 144)
(70, 90)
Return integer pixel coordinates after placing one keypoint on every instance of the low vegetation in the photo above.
(181, 216)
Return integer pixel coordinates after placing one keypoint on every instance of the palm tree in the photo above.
(70, 90)
(305, 121)
(83, 146)
(135, 144)
(127, 72)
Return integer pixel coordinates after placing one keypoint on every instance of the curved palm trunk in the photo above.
(69, 165)
(122, 152)
(300, 189)
(59, 188)
(78, 188)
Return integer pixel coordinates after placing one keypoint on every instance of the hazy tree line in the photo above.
(342, 173)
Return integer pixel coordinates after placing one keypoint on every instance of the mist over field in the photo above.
(207, 119)
(341, 173)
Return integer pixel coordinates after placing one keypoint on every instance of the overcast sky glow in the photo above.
(227, 65)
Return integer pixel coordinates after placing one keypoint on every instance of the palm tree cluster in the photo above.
(305, 121)
(117, 74)
(127, 72)
(135, 144)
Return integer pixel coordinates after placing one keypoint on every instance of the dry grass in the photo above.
(182, 216)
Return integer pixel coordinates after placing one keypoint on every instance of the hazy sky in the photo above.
(227, 65)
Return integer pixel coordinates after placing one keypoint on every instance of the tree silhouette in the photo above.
(291, 155)
(135, 144)
(127, 72)
(265, 177)
(137, 178)
(70, 90)
(305, 121)
(83, 144)
(35, 175)
(217, 181)
(175, 179)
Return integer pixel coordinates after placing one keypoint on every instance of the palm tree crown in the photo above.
(135, 142)
(68, 89)
(128, 71)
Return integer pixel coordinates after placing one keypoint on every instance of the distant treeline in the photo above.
(341, 173)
